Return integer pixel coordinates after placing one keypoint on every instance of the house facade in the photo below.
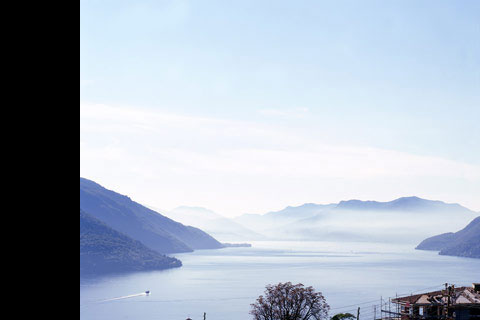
(462, 303)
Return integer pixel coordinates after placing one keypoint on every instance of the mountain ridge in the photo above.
(156, 231)
(364, 204)
(403, 203)
(463, 243)
(215, 224)
(105, 250)
(350, 220)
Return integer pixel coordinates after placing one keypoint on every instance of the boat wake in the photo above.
(127, 297)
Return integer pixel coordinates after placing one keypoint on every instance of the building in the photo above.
(451, 303)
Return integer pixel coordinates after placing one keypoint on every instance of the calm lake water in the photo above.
(223, 283)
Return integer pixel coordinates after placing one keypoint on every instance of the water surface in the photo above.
(223, 283)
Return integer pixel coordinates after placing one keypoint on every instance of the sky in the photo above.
(251, 106)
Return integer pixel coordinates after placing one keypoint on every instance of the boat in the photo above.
(147, 292)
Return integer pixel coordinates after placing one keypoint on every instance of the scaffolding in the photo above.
(448, 303)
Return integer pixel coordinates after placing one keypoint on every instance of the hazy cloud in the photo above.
(231, 160)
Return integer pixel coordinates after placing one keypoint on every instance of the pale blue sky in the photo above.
(395, 76)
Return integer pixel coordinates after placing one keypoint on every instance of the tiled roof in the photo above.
(462, 295)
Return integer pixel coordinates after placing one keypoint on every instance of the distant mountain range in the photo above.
(406, 219)
(104, 250)
(129, 229)
(282, 218)
(403, 220)
(403, 204)
(119, 234)
(464, 243)
(220, 227)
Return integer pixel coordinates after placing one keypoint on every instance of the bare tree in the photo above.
(286, 301)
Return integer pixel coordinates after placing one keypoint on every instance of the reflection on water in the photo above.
(224, 282)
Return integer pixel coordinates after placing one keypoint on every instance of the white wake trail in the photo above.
(125, 297)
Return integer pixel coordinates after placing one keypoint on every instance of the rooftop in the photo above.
(460, 295)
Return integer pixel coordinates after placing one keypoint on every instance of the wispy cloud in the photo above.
(235, 160)
(285, 113)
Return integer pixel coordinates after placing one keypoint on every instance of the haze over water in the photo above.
(223, 283)
(260, 111)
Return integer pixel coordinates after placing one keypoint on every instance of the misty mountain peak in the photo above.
(412, 203)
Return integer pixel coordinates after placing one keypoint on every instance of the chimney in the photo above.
(476, 287)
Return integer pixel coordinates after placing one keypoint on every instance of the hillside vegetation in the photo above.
(154, 230)
(464, 243)
(103, 249)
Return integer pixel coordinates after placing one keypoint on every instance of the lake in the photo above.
(224, 282)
